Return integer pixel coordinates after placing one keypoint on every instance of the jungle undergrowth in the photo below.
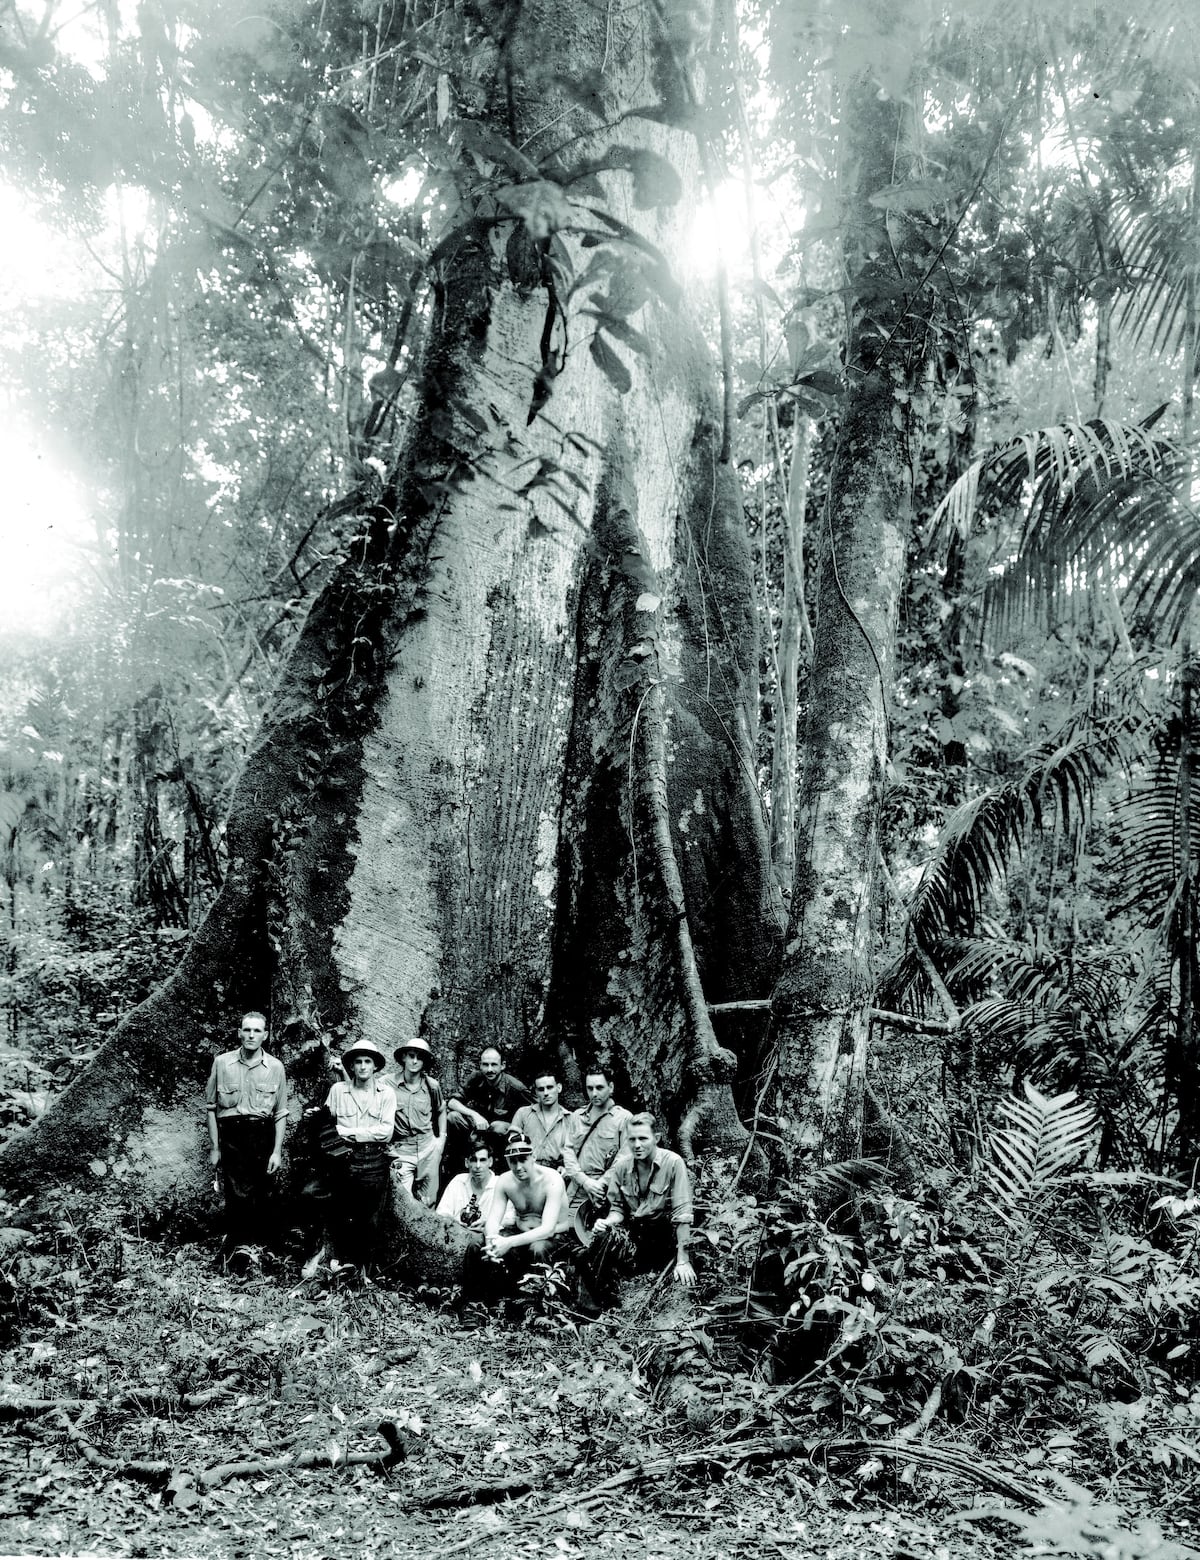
(123, 1332)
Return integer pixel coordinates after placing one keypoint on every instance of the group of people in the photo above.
(592, 1185)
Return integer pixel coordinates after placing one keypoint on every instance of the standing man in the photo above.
(420, 1123)
(485, 1107)
(595, 1135)
(649, 1223)
(545, 1123)
(247, 1105)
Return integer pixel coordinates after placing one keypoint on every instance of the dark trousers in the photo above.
(361, 1192)
(639, 1246)
(246, 1144)
(493, 1279)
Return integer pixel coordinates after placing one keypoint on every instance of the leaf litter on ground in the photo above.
(127, 1400)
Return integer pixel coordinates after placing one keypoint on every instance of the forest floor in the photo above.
(154, 1405)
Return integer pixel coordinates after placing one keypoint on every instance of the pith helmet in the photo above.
(412, 1045)
(364, 1048)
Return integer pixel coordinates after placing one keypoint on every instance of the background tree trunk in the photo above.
(822, 1001)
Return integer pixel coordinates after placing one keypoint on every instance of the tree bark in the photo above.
(822, 1002)
(505, 792)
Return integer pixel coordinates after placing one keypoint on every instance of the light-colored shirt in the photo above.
(238, 1086)
(589, 1149)
(419, 1111)
(364, 1115)
(459, 1193)
(659, 1188)
(548, 1140)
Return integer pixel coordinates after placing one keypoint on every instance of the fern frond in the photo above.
(1046, 1134)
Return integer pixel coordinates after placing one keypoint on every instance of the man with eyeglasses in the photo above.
(545, 1122)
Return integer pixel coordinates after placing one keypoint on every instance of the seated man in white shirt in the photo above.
(471, 1196)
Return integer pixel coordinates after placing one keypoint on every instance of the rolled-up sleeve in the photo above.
(281, 1092)
(681, 1193)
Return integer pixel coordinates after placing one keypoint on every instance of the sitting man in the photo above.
(649, 1221)
(594, 1137)
(536, 1195)
(485, 1107)
(469, 1198)
(545, 1124)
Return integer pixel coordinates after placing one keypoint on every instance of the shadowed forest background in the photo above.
(659, 533)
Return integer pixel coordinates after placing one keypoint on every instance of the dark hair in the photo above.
(644, 1119)
(545, 1072)
(597, 1070)
(475, 1144)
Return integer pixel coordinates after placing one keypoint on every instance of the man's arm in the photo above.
(210, 1100)
(463, 1109)
(681, 1217)
(496, 1212)
(276, 1159)
(685, 1273)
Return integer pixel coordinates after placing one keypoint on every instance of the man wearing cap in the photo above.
(593, 1139)
(420, 1123)
(364, 1110)
(545, 1123)
(246, 1098)
(537, 1196)
(485, 1107)
(649, 1222)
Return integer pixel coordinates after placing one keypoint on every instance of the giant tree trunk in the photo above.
(505, 793)
(821, 1005)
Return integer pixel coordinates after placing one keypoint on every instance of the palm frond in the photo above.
(1045, 1135)
(1101, 502)
(981, 836)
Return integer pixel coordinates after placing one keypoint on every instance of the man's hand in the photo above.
(498, 1245)
(602, 1224)
(214, 1155)
(596, 1190)
(685, 1273)
(481, 1122)
(274, 1162)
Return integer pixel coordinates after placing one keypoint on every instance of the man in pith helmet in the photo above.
(420, 1123)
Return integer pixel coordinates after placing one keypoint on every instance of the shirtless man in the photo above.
(536, 1194)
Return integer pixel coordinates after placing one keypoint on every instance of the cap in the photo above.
(416, 1044)
(364, 1048)
(517, 1145)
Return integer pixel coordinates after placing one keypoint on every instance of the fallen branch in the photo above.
(158, 1471)
(485, 1492)
(148, 1402)
(728, 1455)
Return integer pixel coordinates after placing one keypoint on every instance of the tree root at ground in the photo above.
(721, 1457)
(167, 1474)
(150, 1402)
(725, 1456)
